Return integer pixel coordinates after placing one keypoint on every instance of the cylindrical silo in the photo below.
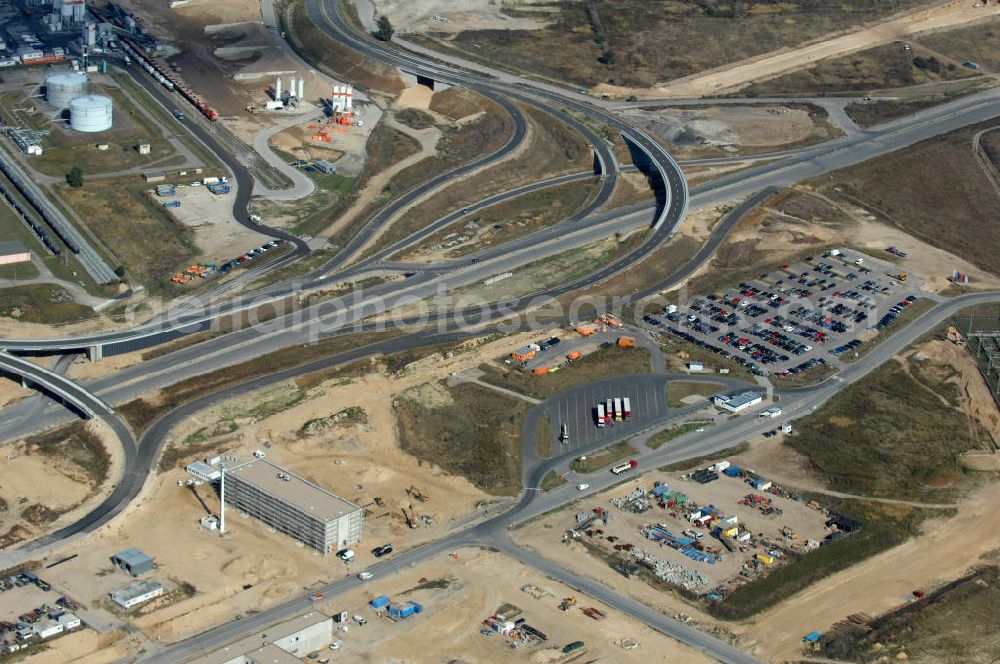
(90, 113)
(61, 87)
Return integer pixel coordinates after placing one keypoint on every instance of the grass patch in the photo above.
(895, 434)
(601, 458)
(147, 241)
(882, 67)
(698, 462)
(678, 391)
(503, 222)
(140, 413)
(675, 431)
(332, 57)
(544, 436)
(603, 363)
(415, 118)
(952, 624)
(77, 445)
(18, 271)
(552, 480)
(558, 269)
(639, 44)
(968, 43)
(41, 303)
(963, 197)
(883, 527)
(477, 436)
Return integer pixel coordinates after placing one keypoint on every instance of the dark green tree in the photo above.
(75, 177)
(385, 29)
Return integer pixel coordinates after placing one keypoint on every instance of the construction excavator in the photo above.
(567, 603)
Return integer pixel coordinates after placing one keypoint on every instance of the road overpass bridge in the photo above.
(60, 388)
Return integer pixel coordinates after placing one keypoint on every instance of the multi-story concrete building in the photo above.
(293, 505)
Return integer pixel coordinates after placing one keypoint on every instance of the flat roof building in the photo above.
(738, 402)
(293, 505)
(137, 593)
(285, 642)
(133, 561)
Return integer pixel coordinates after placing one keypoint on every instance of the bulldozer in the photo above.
(567, 603)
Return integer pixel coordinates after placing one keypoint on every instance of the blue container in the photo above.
(732, 471)
(379, 602)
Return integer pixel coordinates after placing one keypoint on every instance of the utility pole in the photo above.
(222, 501)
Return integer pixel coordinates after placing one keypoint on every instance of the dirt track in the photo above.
(733, 76)
(946, 550)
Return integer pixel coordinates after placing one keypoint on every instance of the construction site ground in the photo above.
(43, 491)
(216, 233)
(357, 461)
(724, 494)
(731, 129)
(457, 594)
(447, 16)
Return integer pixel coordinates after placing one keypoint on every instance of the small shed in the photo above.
(325, 166)
(133, 561)
(154, 176)
(696, 366)
(660, 490)
(761, 484)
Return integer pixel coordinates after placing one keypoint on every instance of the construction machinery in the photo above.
(899, 276)
(416, 494)
(567, 603)
(410, 521)
(626, 342)
(594, 613)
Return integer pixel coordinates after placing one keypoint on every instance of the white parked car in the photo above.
(582, 487)
(364, 576)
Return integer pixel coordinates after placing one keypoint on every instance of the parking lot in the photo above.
(575, 409)
(795, 316)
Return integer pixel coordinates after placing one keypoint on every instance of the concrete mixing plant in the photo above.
(90, 113)
(61, 87)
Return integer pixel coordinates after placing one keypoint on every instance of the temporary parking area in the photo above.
(796, 316)
(575, 409)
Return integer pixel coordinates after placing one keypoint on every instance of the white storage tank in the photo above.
(90, 113)
(61, 87)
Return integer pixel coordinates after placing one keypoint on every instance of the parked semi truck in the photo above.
(624, 467)
(618, 409)
(600, 415)
(627, 405)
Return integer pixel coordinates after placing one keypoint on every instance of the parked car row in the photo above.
(250, 255)
(894, 312)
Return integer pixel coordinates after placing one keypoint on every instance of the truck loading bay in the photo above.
(796, 316)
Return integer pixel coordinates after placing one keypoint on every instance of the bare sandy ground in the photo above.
(358, 462)
(933, 264)
(216, 233)
(750, 126)
(946, 549)
(733, 76)
(31, 478)
(452, 16)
